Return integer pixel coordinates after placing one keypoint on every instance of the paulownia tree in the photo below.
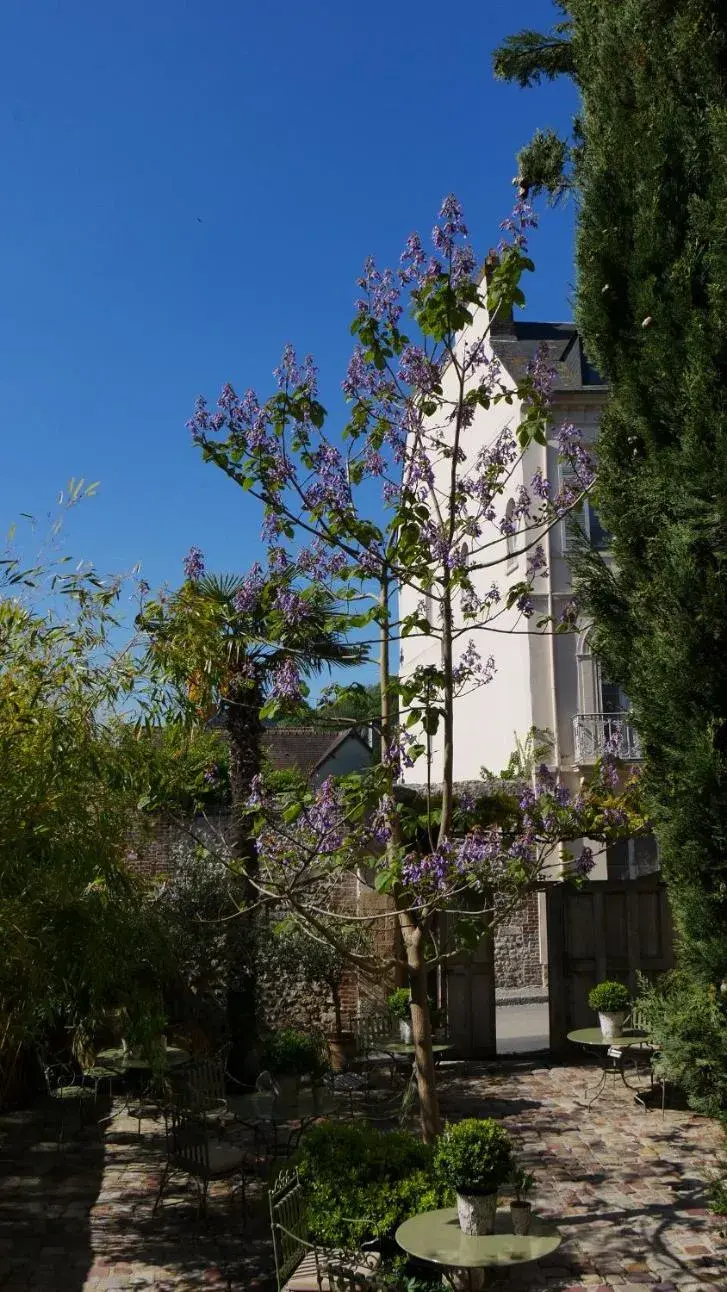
(438, 535)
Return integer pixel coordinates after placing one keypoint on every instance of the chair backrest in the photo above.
(342, 1271)
(204, 1085)
(372, 1028)
(266, 1083)
(287, 1224)
(56, 1075)
(189, 1143)
(637, 1018)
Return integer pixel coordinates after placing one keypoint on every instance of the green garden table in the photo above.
(122, 1062)
(436, 1236)
(608, 1051)
(405, 1049)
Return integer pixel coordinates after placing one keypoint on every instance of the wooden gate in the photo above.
(470, 1002)
(603, 930)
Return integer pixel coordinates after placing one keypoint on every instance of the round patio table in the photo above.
(123, 1064)
(121, 1061)
(608, 1052)
(404, 1047)
(436, 1236)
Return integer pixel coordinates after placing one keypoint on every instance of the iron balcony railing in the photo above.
(595, 734)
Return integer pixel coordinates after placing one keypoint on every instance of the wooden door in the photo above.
(605, 929)
(470, 992)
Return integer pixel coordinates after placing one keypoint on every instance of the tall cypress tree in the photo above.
(651, 178)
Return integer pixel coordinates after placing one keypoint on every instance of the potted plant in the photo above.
(523, 1185)
(291, 1055)
(474, 1157)
(612, 1001)
(399, 1003)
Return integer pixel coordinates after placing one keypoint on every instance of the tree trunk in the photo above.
(421, 1027)
(244, 729)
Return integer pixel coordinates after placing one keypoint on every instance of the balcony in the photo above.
(595, 734)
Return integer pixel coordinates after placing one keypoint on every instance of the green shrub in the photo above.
(399, 1003)
(291, 1053)
(362, 1183)
(474, 1156)
(610, 998)
(687, 1021)
(718, 1197)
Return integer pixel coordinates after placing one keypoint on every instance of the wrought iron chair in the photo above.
(192, 1151)
(204, 1092)
(302, 1266)
(394, 1109)
(643, 1053)
(67, 1092)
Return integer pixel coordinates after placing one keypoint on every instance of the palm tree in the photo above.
(225, 645)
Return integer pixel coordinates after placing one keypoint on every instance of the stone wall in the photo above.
(285, 1000)
(517, 947)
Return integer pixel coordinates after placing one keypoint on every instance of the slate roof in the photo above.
(515, 343)
(306, 748)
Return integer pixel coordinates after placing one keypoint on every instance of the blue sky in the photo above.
(189, 185)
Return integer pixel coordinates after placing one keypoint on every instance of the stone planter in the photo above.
(611, 1024)
(521, 1214)
(288, 1087)
(405, 1031)
(477, 1212)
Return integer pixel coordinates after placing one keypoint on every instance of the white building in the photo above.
(545, 681)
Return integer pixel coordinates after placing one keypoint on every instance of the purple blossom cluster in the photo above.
(397, 755)
(450, 228)
(471, 670)
(320, 562)
(541, 373)
(290, 375)
(416, 369)
(194, 564)
(247, 597)
(382, 300)
(286, 683)
(516, 224)
(291, 604)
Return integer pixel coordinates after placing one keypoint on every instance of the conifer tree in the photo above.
(652, 307)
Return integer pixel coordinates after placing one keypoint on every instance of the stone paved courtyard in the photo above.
(626, 1189)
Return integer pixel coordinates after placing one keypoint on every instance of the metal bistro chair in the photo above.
(643, 1053)
(68, 1093)
(300, 1265)
(191, 1151)
(371, 1031)
(204, 1092)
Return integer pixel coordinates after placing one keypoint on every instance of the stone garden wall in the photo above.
(285, 1000)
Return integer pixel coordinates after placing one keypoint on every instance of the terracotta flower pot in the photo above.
(611, 1023)
(476, 1212)
(521, 1214)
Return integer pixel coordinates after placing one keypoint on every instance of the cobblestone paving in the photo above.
(626, 1189)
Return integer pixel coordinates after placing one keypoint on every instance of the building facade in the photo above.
(549, 682)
